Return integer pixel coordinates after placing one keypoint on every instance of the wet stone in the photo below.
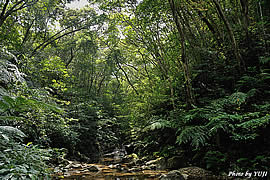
(108, 169)
(67, 174)
(76, 166)
(172, 175)
(93, 168)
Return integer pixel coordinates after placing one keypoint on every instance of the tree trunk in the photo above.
(262, 25)
(241, 63)
(184, 61)
(244, 5)
(6, 12)
(120, 67)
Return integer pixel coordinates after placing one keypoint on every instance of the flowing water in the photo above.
(107, 172)
(109, 168)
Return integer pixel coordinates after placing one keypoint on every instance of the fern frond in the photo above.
(11, 118)
(243, 136)
(215, 126)
(21, 103)
(11, 132)
(256, 123)
(197, 113)
(3, 92)
(223, 122)
(197, 135)
(39, 104)
(161, 124)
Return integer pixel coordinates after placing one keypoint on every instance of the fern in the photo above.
(215, 126)
(3, 92)
(202, 124)
(158, 123)
(263, 108)
(265, 76)
(198, 135)
(21, 104)
(215, 160)
(197, 113)
(9, 132)
(237, 98)
(247, 82)
(256, 123)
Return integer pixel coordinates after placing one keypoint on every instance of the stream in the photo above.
(110, 167)
(120, 166)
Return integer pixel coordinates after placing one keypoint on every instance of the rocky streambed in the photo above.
(83, 171)
(107, 169)
(114, 166)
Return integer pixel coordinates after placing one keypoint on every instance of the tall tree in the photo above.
(241, 63)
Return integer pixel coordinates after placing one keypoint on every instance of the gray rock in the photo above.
(67, 174)
(155, 161)
(176, 162)
(93, 168)
(111, 166)
(160, 163)
(57, 169)
(135, 169)
(172, 175)
(153, 167)
(194, 173)
(146, 167)
(65, 170)
(76, 166)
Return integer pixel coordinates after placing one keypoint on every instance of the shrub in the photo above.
(19, 161)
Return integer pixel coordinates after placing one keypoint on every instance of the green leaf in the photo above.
(4, 136)
(9, 100)
(4, 106)
(12, 132)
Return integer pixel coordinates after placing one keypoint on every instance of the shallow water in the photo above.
(107, 172)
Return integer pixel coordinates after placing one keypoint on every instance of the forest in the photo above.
(161, 79)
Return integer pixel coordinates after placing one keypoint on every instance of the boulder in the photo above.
(76, 166)
(159, 163)
(176, 162)
(190, 173)
(93, 168)
(196, 173)
(172, 175)
(146, 167)
(153, 167)
(135, 169)
(130, 158)
(129, 148)
(155, 161)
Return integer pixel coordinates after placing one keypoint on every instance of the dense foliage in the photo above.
(164, 77)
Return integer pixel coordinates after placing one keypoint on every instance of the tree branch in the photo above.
(52, 39)
(4, 9)
(5, 14)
